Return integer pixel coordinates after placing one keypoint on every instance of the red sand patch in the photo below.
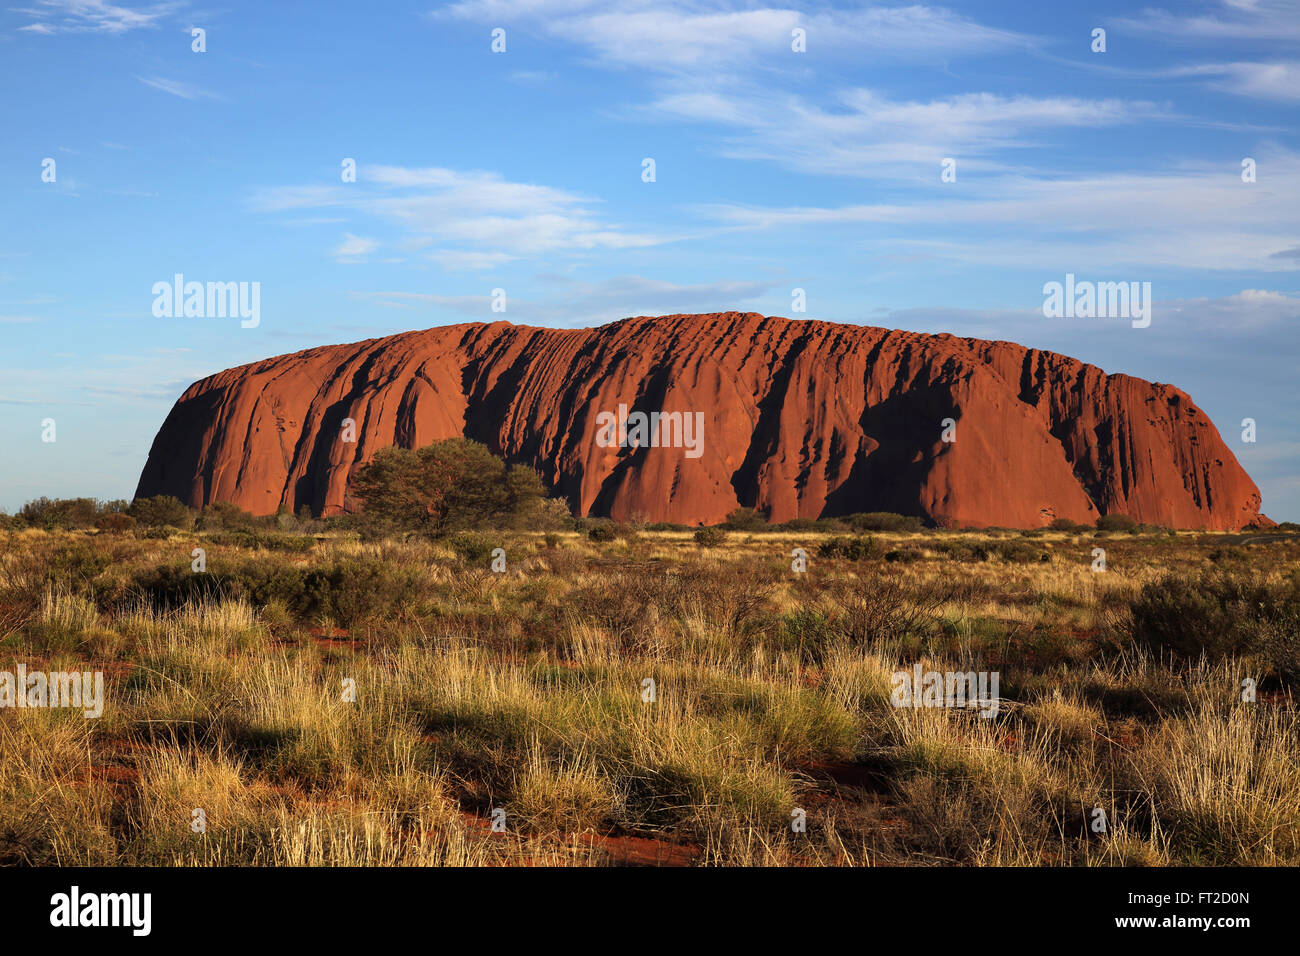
(641, 851)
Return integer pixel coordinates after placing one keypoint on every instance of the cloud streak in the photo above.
(185, 91)
(689, 36)
(466, 220)
(1194, 217)
(50, 17)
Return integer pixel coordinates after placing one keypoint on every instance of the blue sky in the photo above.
(522, 170)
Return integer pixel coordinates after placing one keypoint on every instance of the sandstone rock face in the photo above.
(800, 419)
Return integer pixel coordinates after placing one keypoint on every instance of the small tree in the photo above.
(226, 516)
(161, 511)
(444, 487)
(50, 513)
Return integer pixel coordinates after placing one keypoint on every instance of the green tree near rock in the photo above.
(445, 487)
(161, 511)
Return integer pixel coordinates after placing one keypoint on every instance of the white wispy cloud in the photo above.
(354, 248)
(729, 64)
(1270, 81)
(469, 219)
(689, 35)
(865, 133)
(460, 260)
(186, 91)
(1193, 217)
(50, 17)
(1222, 20)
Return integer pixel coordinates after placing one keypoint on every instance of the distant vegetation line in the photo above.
(452, 486)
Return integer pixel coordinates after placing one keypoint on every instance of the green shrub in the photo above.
(253, 540)
(472, 548)
(545, 514)
(447, 486)
(153, 534)
(1218, 614)
(799, 524)
(115, 522)
(1239, 557)
(903, 555)
(224, 516)
(1116, 522)
(710, 537)
(1065, 524)
(52, 513)
(347, 591)
(854, 549)
(745, 519)
(883, 521)
(962, 550)
(810, 633)
(76, 564)
(1019, 552)
(161, 511)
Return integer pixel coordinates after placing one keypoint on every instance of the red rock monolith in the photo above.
(800, 419)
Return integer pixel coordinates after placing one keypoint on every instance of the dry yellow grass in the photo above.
(527, 692)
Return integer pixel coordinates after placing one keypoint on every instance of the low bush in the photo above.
(1116, 522)
(224, 516)
(854, 549)
(472, 548)
(1015, 551)
(161, 511)
(1065, 524)
(347, 591)
(116, 522)
(67, 513)
(799, 524)
(745, 519)
(711, 537)
(263, 541)
(1219, 614)
(903, 555)
(883, 521)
